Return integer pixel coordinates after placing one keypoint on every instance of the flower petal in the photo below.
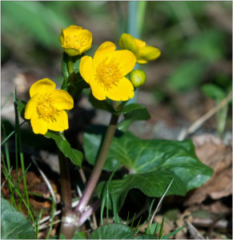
(39, 126)
(148, 53)
(30, 108)
(98, 90)
(86, 68)
(128, 42)
(123, 91)
(42, 86)
(126, 60)
(62, 100)
(140, 44)
(61, 122)
(103, 51)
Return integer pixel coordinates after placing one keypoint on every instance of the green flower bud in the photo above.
(137, 77)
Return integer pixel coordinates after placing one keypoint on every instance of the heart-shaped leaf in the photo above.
(152, 164)
(14, 225)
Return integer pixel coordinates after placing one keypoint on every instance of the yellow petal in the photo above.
(60, 123)
(39, 126)
(30, 108)
(123, 91)
(103, 50)
(126, 60)
(128, 42)
(86, 68)
(42, 86)
(85, 37)
(62, 100)
(147, 54)
(98, 90)
(140, 44)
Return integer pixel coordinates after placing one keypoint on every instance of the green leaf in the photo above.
(187, 75)
(73, 154)
(21, 107)
(210, 45)
(213, 91)
(79, 235)
(133, 112)
(14, 225)
(113, 231)
(152, 163)
(104, 105)
(37, 19)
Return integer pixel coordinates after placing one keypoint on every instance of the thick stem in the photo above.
(98, 166)
(68, 216)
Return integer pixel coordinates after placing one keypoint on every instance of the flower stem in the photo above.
(68, 217)
(98, 166)
(70, 69)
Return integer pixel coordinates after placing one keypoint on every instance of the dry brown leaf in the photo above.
(212, 152)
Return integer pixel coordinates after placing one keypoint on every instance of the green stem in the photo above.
(70, 69)
(68, 217)
(98, 166)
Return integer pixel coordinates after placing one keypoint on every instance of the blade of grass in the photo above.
(172, 233)
(52, 219)
(161, 229)
(21, 198)
(10, 134)
(149, 215)
(12, 199)
(160, 201)
(21, 155)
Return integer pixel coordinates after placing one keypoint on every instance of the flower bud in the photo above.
(75, 40)
(137, 77)
(139, 48)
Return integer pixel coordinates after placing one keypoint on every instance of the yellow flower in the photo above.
(106, 71)
(143, 52)
(47, 106)
(75, 40)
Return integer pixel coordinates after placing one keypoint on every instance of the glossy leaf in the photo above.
(133, 112)
(113, 231)
(73, 154)
(152, 163)
(14, 225)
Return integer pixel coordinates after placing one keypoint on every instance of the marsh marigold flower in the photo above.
(106, 72)
(75, 40)
(46, 108)
(143, 52)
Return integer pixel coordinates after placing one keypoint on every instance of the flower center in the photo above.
(108, 73)
(46, 110)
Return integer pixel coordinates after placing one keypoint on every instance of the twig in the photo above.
(204, 118)
(193, 231)
(45, 178)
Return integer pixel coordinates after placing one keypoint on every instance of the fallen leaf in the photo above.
(212, 152)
